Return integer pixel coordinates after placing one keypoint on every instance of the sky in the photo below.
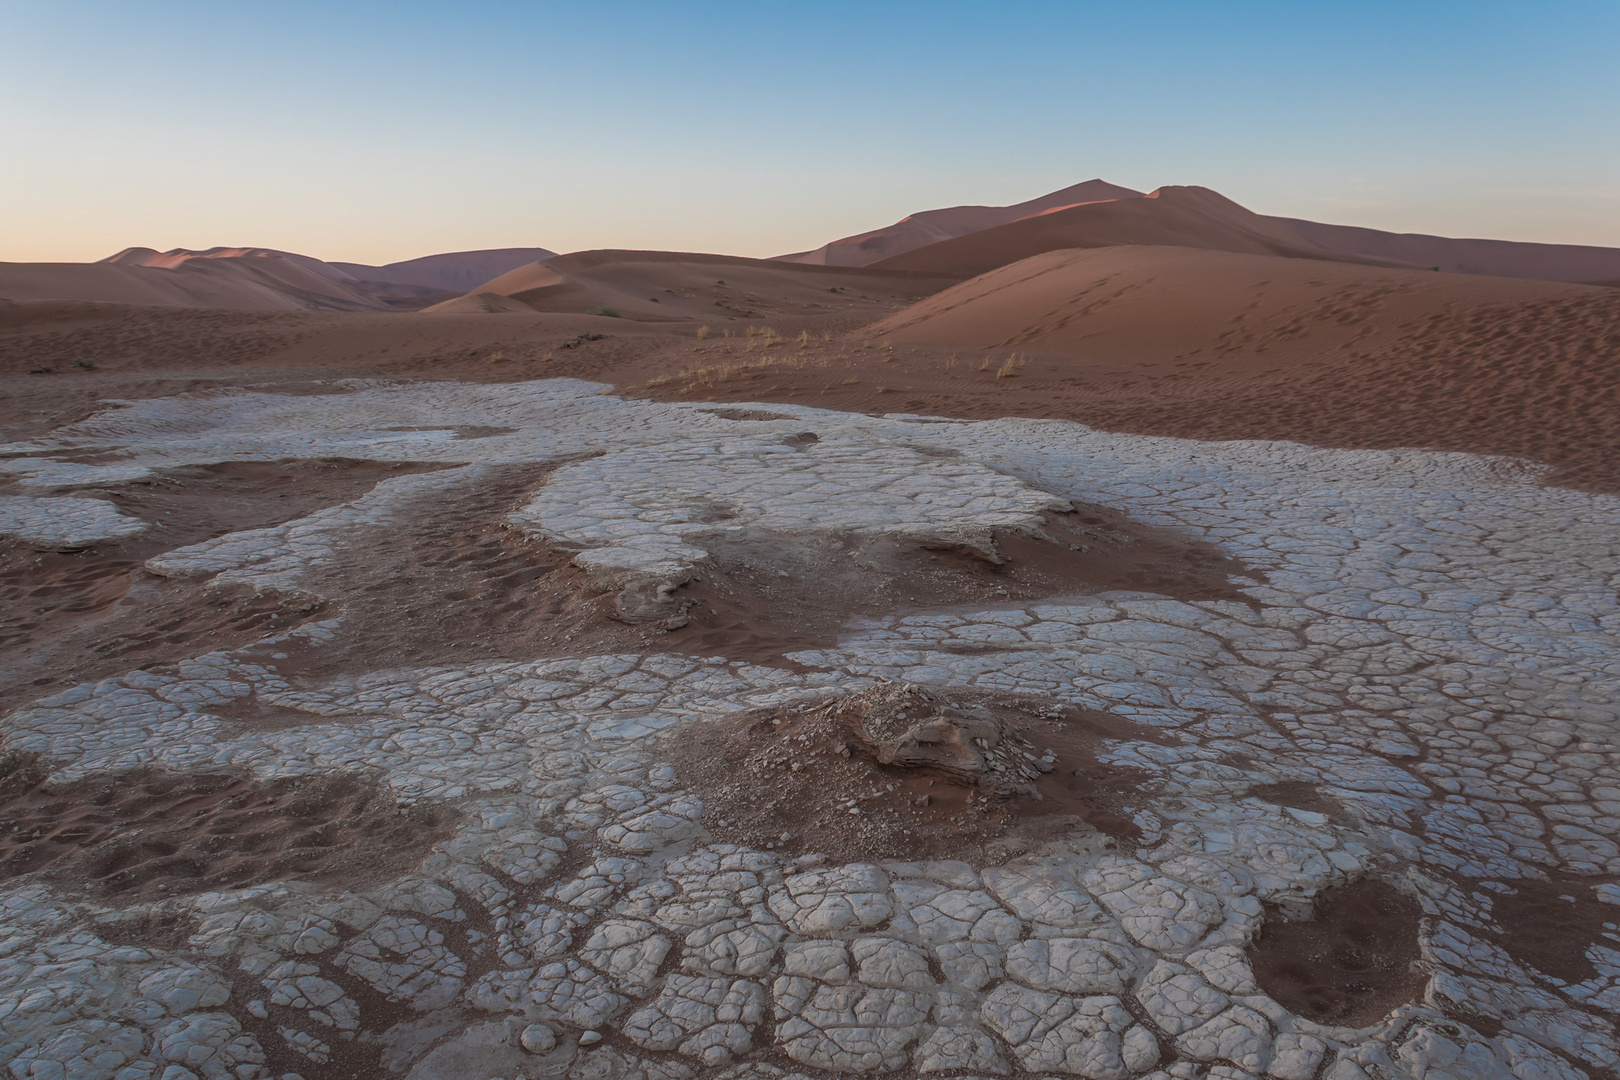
(371, 132)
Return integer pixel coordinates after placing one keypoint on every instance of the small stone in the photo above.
(589, 1038)
(539, 1039)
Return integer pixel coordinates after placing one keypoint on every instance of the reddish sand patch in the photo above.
(150, 835)
(1353, 961)
(454, 582)
(1550, 925)
(74, 616)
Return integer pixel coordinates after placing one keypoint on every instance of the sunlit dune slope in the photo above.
(1129, 304)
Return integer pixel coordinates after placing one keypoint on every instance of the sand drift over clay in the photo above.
(641, 515)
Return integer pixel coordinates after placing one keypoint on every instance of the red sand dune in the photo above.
(931, 226)
(260, 283)
(1130, 304)
(1218, 345)
(664, 286)
(454, 271)
(1200, 218)
(258, 279)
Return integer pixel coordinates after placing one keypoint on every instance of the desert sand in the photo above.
(1112, 636)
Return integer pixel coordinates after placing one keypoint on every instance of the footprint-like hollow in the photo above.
(1351, 962)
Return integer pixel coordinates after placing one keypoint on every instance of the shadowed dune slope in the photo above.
(1197, 217)
(931, 226)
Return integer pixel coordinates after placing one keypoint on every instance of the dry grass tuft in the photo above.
(703, 333)
(691, 379)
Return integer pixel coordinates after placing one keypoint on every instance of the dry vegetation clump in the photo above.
(692, 378)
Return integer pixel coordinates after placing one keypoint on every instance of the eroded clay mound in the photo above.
(904, 725)
(897, 771)
(153, 834)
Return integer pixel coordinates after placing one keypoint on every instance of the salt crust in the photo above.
(1433, 647)
(57, 524)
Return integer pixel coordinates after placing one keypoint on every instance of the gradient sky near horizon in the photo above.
(367, 131)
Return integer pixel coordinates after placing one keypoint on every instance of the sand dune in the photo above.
(932, 226)
(1200, 218)
(1504, 258)
(663, 286)
(1180, 216)
(1213, 345)
(270, 283)
(451, 272)
(259, 279)
(455, 271)
(479, 303)
(1169, 303)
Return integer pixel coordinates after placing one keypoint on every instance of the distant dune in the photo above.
(1197, 217)
(932, 249)
(259, 279)
(931, 226)
(259, 282)
(456, 271)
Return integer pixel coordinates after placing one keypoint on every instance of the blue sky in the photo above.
(353, 129)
